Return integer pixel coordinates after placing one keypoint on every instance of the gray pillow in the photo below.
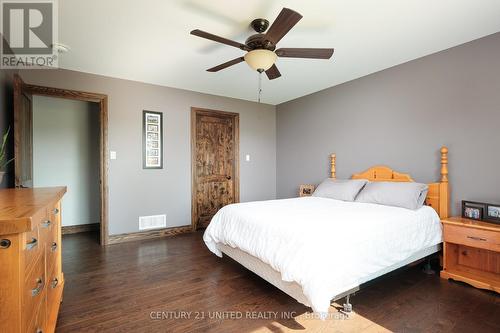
(405, 195)
(339, 189)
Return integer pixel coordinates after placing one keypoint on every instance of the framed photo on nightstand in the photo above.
(473, 213)
(493, 213)
(473, 210)
(306, 190)
(481, 211)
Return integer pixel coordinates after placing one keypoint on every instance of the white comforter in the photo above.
(326, 246)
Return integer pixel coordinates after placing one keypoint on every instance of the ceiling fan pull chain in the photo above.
(260, 85)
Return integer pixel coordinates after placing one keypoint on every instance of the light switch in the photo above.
(112, 155)
(247, 157)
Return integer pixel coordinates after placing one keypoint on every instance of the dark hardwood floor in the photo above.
(131, 286)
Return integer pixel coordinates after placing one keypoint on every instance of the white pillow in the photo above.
(339, 189)
(405, 194)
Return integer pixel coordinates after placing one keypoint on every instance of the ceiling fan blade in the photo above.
(304, 53)
(285, 21)
(273, 73)
(219, 39)
(226, 64)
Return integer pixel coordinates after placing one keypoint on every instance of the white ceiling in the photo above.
(149, 41)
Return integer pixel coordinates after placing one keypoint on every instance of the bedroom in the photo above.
(404, 80)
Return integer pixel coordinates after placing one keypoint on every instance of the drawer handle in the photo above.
(56, 211)
(31, 244)
(5, 243)
(54, 283)
(46, 224)
(477, 238)
(39, 287)
(53, 247)
(39, 330)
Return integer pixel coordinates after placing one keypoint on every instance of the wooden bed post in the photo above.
(444, 200)
(332, 168)
(444, 164)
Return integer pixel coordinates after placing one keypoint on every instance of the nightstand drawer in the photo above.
(484, 239)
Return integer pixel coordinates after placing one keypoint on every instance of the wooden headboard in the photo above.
(438, 196)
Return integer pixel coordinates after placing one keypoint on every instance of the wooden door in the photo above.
(23, 134)
(215, 163)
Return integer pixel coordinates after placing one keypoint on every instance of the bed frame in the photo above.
(438, 198)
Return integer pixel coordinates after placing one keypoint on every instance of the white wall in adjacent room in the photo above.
(66, 153)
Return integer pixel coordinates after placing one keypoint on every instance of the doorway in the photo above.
(66, 153)
(29, 154)
(214, 163)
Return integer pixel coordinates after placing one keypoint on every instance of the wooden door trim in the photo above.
(236, 132)
(102, 100)
(19, 86)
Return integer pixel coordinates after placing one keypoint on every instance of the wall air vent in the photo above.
(152, 222)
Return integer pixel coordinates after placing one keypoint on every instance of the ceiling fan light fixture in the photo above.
(260, 60)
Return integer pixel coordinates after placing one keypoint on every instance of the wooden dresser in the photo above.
(31, 278)
(472, 252)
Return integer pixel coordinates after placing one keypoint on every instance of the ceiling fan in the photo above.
(261, 48)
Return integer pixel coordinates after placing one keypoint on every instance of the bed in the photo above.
(317, 249)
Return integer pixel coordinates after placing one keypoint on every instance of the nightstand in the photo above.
(471, 252)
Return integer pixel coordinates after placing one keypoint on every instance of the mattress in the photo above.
(324, 246)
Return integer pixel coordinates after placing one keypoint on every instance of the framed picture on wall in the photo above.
(152, 140)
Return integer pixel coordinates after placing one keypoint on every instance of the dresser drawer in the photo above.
(52, 254)
(34, 240)
(54, 213)
(39, 322)
(33, 291)
(54, 283)
(32, 248)
(46, 229)
(53, 248)
(484, 239)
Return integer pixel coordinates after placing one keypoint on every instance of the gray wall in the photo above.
(133, 191)
(400, 117)
(66, 153)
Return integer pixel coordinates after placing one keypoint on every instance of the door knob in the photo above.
(228, 177)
